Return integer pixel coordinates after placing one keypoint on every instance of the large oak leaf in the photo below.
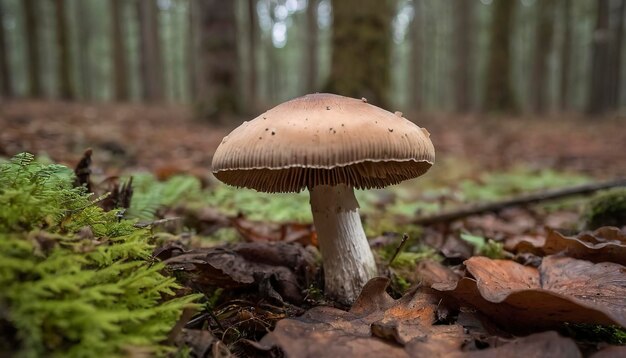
(561, 290)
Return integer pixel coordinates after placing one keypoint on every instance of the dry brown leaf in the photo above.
(202, 343)
(546, 344)
(285, 268)
(512, 221)
(259, 231)
(561, 290)
(604, 244)
(431, 272)
(376, 326)
(611, 352)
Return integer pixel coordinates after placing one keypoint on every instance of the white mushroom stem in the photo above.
(348, 260)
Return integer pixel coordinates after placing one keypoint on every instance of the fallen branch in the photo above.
(522, 200)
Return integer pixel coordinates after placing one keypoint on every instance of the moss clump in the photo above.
(596, 333)
(606, 209)
(485, 247)
(75, 280)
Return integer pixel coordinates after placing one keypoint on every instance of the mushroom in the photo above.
(330, 145)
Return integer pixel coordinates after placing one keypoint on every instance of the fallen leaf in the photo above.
(431, 272)
(513, 221)
(202, 343)
(258, 231)
(525, 243)
(611, 352)
(546, 344)
(376, 326)
(561, 290)
(287, 268)
(604, 244)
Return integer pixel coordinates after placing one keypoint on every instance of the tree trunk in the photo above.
(120, 73)
(193, 68)
(600, 61)
(499, 95)
(31, 25)
(361, 49)
(566, 51)
(150, 51)
(219, 59)
(66, 85)
(617, 55)
(464, 11)
(415, 72)
(311, 46)
(543, 43)
(83, 22)
(253, 26)
(6, 84)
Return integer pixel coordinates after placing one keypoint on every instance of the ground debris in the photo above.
(547, 344)
(280, 271)
(255, 231)
(202, 344)
(376, 325)
(604, 244)
(562, 289)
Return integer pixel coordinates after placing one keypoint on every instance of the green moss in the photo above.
(150, 194)
(410, 259)
(260, 206)
(375, 225)
(76, 281)
(399, 284)
(597, 333)
(485, 247)
(606, 209)
(494, 186)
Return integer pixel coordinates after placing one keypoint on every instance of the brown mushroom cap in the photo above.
(323, 139)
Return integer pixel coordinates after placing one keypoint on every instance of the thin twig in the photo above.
(521, 200)
(405, 238)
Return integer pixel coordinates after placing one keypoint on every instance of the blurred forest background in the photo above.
(238, 57)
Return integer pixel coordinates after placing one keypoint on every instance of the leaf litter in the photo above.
(604, 244)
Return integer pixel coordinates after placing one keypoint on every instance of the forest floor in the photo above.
(166, 138)
(476, 284)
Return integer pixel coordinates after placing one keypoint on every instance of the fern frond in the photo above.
(70, 296)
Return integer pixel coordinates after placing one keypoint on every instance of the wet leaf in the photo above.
(376, 326)
(604, 244)
(561, 290)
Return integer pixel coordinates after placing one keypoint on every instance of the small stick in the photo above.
(405, 238)
(448, 216)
